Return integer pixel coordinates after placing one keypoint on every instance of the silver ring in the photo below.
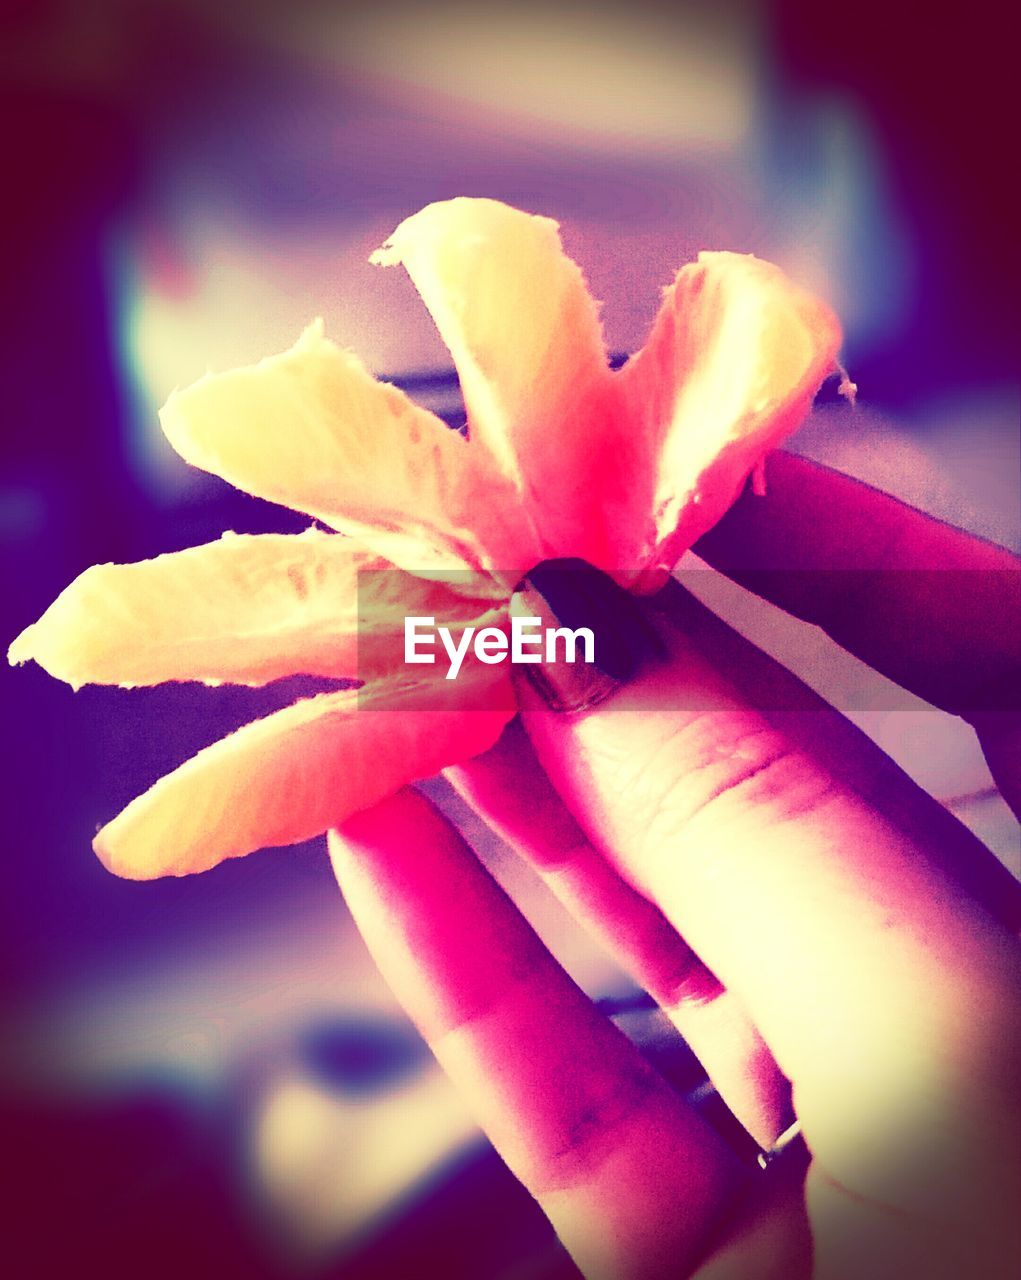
(782, 1144)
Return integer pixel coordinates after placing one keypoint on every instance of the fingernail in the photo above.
(570, 593)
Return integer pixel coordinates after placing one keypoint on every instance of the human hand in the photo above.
(801, 910)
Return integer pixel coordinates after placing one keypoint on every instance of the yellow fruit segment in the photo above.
(293, 774)
(525, 337)
(244, 610)
(311, 429)
(736, 354)
(564, 458)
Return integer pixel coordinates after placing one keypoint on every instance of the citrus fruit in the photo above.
(564, 458)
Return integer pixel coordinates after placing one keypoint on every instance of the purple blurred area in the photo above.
(207, 1073)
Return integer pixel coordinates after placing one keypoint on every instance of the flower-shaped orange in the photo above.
(564, 457)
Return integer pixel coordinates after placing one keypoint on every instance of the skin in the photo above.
(828, 938)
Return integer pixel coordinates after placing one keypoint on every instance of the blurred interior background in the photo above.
(208, 1073)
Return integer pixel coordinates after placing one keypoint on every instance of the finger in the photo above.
(508, 788)
(849, 754)
(840, 747)
(887, 997)
(632, 1179)
(933, 608)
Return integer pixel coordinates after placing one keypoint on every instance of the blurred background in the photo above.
(208, 1073)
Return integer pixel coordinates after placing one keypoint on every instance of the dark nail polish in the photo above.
(572, 593)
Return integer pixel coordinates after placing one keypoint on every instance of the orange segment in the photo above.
(525, 337)
(244, 610)
(735, 356)
(293, 774)
(565, 459)
(313, 430)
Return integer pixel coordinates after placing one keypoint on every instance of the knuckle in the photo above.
(597, 1124)
(724, 767)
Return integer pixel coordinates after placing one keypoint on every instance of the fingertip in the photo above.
(593, 635)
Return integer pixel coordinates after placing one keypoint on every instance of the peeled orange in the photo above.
(564, 458)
